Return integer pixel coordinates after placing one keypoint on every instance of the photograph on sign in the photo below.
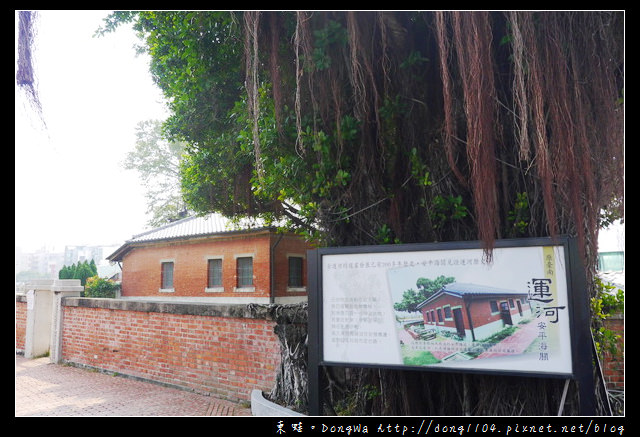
(449, 309)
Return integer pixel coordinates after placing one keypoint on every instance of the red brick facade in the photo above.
(442, 311)
(613, 366)
(269, 251)
(21, 324)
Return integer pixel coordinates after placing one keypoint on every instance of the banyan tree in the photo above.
(447, 125)
(25, 72)
(443, 126)
(375, 127)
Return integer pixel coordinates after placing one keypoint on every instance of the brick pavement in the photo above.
(45, 389)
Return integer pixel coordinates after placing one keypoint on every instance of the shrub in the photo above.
(608, 301)
(100, 287)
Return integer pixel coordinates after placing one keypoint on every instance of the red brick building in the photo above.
(209, 259)
(472, 311)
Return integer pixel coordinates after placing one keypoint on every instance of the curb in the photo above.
(262, 407)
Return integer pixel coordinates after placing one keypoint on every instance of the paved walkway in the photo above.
(516, 343)
(45, 389)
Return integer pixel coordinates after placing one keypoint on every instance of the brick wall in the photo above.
(21, 322)
(613, 366)
(224, 350)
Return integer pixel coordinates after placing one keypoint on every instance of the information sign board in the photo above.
(444, 307)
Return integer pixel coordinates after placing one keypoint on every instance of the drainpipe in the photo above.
(272, 270)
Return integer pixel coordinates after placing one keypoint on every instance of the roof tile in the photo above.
(194, 226)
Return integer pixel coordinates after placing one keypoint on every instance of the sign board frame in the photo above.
(353, 320)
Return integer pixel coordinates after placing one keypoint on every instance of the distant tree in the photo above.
(409, 302)
(157, 161)
(82, 271)
(85, 271)
(426, 287)
(65, 272)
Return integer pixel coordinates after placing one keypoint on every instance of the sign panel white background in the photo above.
(359, 323)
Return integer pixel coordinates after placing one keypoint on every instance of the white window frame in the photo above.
(220, 288)
(251, 288)
(303, 287)
(173, 275)
(444, 313)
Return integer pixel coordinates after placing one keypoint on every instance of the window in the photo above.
(447, 312)
(214, 276)
(611, 261)
(167, 275)
(439, 310)
(494, 306)
(244, 272)
(295, 271)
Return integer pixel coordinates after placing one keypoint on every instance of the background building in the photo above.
(212, 259)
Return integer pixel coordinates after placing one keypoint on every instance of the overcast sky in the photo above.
(70, 185)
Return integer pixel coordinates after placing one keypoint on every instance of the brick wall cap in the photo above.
(292, 313)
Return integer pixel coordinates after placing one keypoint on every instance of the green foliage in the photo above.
(426, 288)
(418, 357)
(608, 301)
(385, 235)
(446, 209)
(347, 406)
(429, 286)
(100, 287)
(410, 299)
(83, 270)
(500, 335)
(419, 170)
(519, 216)
(611, 213)
(333, 33)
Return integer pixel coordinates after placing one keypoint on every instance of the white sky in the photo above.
(70, 185)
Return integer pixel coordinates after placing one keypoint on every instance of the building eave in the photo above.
(467, 295)
(211, 226)
(127, 247)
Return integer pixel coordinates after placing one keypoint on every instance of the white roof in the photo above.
(476, 289)
(459, 289)
(196, 226)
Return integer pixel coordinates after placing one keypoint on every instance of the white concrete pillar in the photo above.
(38, 331)
(60, 288)
(44, 316)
